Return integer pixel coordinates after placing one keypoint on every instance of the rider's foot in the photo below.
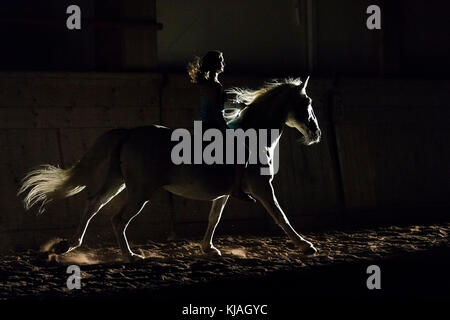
(241, 195)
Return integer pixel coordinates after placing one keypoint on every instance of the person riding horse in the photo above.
(205, 73)
(138, 160)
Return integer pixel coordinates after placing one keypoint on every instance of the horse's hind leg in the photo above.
(132, 207)
(214, 218)
(92, 207)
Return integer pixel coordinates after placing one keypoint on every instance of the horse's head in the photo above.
(300, 115)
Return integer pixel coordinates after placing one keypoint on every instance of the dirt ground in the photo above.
(414, 262)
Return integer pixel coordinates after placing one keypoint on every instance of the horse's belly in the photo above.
(194, 193)
(200, 182)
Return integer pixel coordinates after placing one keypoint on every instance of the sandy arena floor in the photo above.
(262, 266)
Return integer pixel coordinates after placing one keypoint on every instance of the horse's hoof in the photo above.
(61, 247)
(306, 247)
(212, 252)
(309, 251)
(134, 258)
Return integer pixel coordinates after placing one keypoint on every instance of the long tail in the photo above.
(47, 182)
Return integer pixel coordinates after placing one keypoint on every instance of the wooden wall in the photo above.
(384, 150)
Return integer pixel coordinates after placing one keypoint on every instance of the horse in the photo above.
(138, 160)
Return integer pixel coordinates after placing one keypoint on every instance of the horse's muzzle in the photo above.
(314, 137)
(317, 135)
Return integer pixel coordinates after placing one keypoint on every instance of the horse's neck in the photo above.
(267, 114)
(272, 125)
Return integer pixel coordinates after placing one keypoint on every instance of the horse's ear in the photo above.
(304, 85)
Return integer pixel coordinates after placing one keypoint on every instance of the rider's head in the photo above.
(202, 69)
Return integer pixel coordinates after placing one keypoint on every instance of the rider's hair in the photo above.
(199, 69)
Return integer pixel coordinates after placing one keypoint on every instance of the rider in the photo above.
(205, 72)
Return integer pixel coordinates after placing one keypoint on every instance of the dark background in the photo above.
(321, 37)
(381, 96)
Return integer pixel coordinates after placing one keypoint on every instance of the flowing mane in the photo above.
(247, 96)
(233, 115)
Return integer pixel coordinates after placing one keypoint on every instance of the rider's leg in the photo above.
(238, 191)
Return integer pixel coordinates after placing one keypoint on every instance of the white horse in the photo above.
(139, 160)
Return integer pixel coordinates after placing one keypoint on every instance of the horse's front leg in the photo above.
(263, 191)
(214, 218)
